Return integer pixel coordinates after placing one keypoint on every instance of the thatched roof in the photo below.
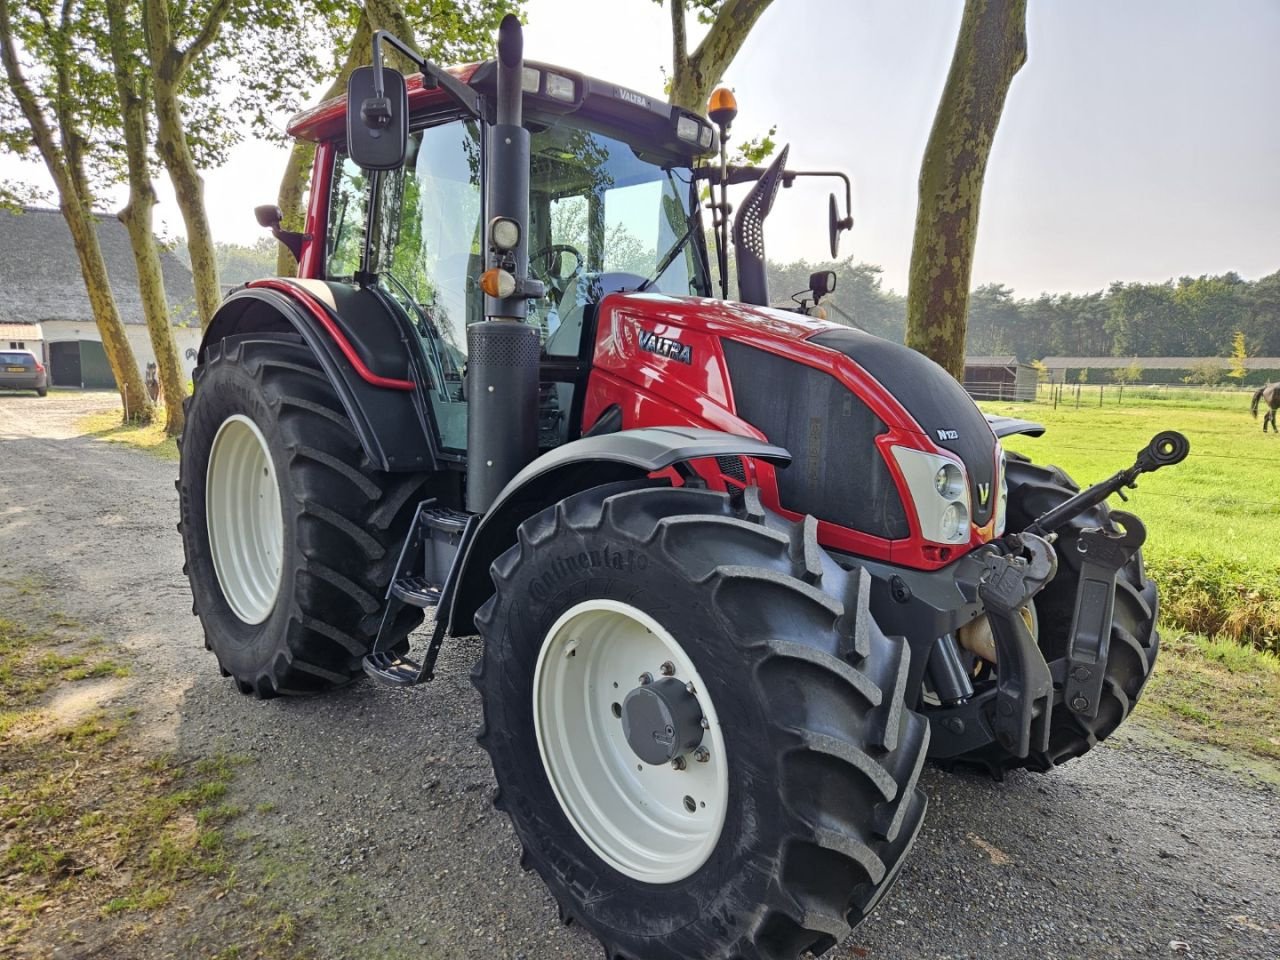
(40, 275)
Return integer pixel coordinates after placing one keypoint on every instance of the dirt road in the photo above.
(369, 809)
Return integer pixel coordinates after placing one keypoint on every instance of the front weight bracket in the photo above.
(1024, 685)
(1103, 553)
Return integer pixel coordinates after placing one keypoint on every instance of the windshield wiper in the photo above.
(667, 260)
(691, 221)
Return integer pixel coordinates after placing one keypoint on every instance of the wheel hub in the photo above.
(662, 720)
(621, 773)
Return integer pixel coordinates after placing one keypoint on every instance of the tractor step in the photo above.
(387, 667)
(416, 592)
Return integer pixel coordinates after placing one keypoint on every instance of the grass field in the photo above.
(1213, 521)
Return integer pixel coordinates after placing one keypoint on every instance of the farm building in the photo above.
(45, 306)
(999, 378)
(1156, 369)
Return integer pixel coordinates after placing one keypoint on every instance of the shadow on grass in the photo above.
(150, 438)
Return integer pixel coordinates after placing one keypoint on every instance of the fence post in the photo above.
(1100, 389)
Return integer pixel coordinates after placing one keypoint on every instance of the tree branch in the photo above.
(208, 33)
(679, 40)
(724, 39)
(28, 103)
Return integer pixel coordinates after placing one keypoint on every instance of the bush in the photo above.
(1218, 597)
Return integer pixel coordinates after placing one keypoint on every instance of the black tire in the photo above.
(823, 754)
(1134, 639)
(42, 391)
(343, 521)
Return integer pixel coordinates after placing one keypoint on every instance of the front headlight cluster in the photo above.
(939, 492)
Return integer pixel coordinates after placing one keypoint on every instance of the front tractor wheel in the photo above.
(290, 537)
(1134, 642)
(696, 726)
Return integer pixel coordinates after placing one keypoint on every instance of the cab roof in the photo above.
(612, 108)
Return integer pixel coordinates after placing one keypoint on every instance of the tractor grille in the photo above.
(836, 474)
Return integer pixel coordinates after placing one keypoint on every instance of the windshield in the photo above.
(602, 218)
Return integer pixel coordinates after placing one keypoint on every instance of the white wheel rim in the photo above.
(635, 816)
(242, 509)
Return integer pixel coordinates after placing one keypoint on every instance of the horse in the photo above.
(1270, 394)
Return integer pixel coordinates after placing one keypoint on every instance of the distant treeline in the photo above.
(1189, 317)
(1184, 318)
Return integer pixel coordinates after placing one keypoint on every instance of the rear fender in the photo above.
(572, 468)
(363, 349)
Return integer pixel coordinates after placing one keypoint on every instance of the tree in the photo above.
(58, 111)
(990, 49)
(1239, 354)
(1206, 372)
(1130, 374)
(133, 107)
(165, 24)
(695, 74)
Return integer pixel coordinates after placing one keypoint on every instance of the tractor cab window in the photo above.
(602, 218)
(426, 245)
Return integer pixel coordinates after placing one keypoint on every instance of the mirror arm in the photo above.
(789, 177)
(433, 75)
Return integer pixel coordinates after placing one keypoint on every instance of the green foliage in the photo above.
(1205, 373)
(756, 150)
(1189, 317)
(1239, 353)
(1130, 374)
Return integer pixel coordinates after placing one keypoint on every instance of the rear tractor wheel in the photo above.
(290, 537)
(696, 726)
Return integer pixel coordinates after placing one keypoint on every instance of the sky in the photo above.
(1141, 140)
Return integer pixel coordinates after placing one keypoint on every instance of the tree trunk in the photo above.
(188, 190)
(293, 186)
(694, 75)
(69, 178)
(991, 48)
(137, 218)
(93, 269)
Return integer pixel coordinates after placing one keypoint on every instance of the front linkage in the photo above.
(1006, 574)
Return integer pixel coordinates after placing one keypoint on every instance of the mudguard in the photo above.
(1008, 426)
(360, 346)
(576, 466)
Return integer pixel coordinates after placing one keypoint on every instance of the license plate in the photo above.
(16, 369)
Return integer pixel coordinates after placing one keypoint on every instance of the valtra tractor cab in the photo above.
(738, 571)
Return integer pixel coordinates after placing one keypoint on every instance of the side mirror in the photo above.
(836, 224)
(268, 215)
(377, 126)
(822, 282)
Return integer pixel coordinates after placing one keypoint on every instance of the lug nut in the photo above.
(678, 763)
(702, 754)
(646, 679)
(705, 723)
(668, 669)
(689, 688)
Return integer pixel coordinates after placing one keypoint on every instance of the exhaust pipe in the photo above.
(503, 352)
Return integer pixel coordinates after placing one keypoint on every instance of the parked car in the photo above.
(22, 370)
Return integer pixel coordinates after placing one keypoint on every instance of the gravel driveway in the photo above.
(372, 804)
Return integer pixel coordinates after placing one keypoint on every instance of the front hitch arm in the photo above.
(1013, 573)
(1165, 449)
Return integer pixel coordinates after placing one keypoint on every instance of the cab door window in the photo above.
(427, 255)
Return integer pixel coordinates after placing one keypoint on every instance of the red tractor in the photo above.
(738, 571)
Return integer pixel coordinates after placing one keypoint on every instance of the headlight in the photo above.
(939, 493)
(949, 482)
(955, 522)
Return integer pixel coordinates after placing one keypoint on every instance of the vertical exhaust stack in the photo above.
(503, 352)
